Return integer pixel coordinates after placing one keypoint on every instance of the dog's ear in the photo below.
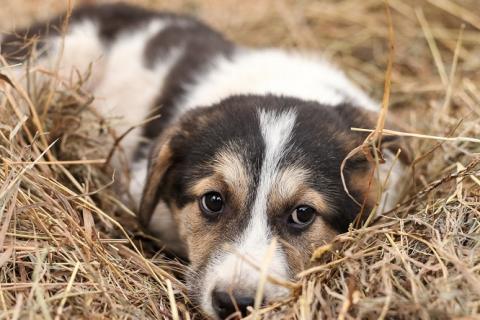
(161, 158)
(361, 181)
(354, 116)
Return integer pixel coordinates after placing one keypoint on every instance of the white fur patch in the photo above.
(276, 129)
(229, 269)
(128, 89)
(278, 72)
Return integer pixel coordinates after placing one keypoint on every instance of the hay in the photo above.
(68, 249)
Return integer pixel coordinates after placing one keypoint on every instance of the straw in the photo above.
(70, 247)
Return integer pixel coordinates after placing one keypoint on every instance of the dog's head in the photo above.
(250, 169)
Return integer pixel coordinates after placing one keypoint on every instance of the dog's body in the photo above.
(258, 135)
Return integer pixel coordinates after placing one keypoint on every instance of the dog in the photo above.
(251, 145)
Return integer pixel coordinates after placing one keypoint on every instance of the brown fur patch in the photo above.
(204, 185)
(232, 169)
(291, 185)
(201, 237)
(315, 199)
(160, 162)
(365, 183)
(298, 250)
(230, 177)
(155, 174)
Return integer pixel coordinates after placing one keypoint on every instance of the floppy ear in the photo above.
(361, 182)
(161, 158)
(359, 117)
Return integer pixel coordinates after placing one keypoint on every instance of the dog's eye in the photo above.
(301, 217)
(211, 204)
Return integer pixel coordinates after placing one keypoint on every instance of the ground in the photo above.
(69, 249)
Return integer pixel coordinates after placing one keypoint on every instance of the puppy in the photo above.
(248, 147)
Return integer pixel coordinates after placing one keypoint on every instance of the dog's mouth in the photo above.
(232, 285)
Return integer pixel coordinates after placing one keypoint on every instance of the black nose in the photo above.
(226, 304)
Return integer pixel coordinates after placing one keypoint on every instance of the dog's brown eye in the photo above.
(211, 203)
(301, 217)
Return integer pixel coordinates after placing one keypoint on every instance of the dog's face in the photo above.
(238, 174)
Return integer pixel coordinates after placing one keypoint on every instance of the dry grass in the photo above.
(68, 249)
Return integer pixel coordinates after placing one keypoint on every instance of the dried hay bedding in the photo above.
(69, 249)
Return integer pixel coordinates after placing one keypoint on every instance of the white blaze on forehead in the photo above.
(227, 270)
(276, 130)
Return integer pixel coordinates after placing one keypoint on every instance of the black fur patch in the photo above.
(319, 137)
(229, 123)
(200, 45)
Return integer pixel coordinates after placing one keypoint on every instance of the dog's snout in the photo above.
(226, 304)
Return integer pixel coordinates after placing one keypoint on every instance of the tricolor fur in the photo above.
(266, 129)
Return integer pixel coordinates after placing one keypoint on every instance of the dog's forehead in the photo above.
(250, 126)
